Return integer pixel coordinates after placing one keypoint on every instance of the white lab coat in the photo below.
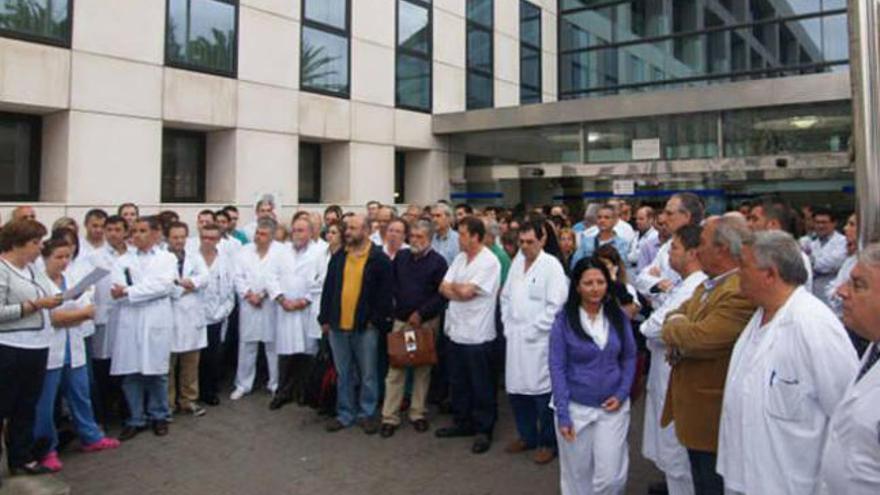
(218, 295)
(784, 381)
(660, 445)
(76, 334)
(252, 274)
(625, 230)
(295, 276)
(841, 279)
(78, 268)
(826, 259)
(143, 336)
(639, 241)
(106, 309)
(529, 303)
(190, 325)
(645, 280)
(851, 459)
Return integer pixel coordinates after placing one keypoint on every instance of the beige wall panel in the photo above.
(267, 108)
(34, 75)
(112, 85)
(56, 150)
(374, 21)
(372, 173)
(267, 162)
(449, 38)
(286, 8)
(372, 73)
(413, 130)
(371, 123)
(324, 117)
(507, 17)
(449, 88)
(506, 58)
(132, 29)
(506, 94)
(199, 99)
(268, 49)
(452, 6)
(427, 176)
(113, 159)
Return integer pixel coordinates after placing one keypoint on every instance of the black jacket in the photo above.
(374, 304)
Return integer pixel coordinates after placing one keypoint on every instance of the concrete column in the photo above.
(354, 173)
(427, 176)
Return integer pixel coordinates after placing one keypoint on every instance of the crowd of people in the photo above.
(752, 334)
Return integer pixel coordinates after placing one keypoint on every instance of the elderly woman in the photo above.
(66, 367)
(26, 296)
(592, 364)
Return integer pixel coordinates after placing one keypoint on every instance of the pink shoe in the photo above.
(52, 462)
(102, 444)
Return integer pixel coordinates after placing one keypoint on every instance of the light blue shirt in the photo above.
(446, 246)
(588, 245)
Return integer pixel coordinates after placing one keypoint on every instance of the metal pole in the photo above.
(864, 65)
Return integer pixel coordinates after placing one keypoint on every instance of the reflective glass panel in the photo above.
(413, 82)
(19, 158)
(201, 34)
(45, 19)
(479, 91)
(324, 62)
(412, 27)
(329, 12)
(817, 128)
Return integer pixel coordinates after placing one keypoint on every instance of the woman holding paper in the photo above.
(25, 299)
(67, 363)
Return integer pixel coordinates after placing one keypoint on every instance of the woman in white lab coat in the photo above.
(66, 365)
(788, 372)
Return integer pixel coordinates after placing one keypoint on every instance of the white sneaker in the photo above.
(236, 394)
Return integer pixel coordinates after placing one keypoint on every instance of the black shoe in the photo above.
(129, 432)
(387, 430)
(32, 468)
(658, 488)
(454, 432)
(333, 425)
(160, 428)
(277, 403)
(211, 401)
(481, 444)
(421, 425)
(370, 426)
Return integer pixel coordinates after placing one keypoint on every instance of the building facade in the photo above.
(192, 102)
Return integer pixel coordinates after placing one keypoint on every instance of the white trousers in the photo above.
(681, 485)
(597, 461)
(247, 366)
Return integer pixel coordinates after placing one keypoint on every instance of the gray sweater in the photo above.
(17, 288)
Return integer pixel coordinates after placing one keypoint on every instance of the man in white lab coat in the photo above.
(295, 285)
(659, 444)
(788, 372)
(657, 279)
(257, 313)
(645, 233)
(827, 251)
(218, 299)
(535, 290)
(851, 460)
(190, 334)
(142, 285)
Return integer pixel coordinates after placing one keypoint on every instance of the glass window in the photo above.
(183, 166)
(201, 35)
(325, 53)
(19, 157)
(309, 173)
(480, 57)
(399, 177)
(689, 136)
(529, 53)
(612, 141)
(414, 55)
(36, 20)
(814, 129)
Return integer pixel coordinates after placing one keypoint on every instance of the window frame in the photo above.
(429, 58)
(538, 48)
(305, 22)
(671, 37)
(201, 169)
(196, 68)
(35, 159)
(45, 40)
(472, 24)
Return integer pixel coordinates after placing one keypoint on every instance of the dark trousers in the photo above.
(293, 372)
(439, 390)
(109, 402)
(473, 386)
(706, 480)
(534, 420)
(210, 363)
(21, 382)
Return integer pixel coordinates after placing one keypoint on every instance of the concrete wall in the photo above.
(106, 100)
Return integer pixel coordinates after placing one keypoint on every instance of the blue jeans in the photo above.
(356, 360)
(74, 385)
(134, 387)
(534, 420)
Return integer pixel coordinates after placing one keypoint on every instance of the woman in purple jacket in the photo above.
(592, 364)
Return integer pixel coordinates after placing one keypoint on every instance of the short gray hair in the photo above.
(591, 212)
(444, 208)
(732, 233)
(870, 255)
(492, 227)
(425, 225)
(267, 223)
(266, 199)
(780, 251)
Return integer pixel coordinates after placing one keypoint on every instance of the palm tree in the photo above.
(315, 65)
(32, 17)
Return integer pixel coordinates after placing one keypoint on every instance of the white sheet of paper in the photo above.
(83, 285)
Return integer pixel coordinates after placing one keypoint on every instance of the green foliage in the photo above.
(35, 17)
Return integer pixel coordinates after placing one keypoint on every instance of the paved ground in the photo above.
(243, 448)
